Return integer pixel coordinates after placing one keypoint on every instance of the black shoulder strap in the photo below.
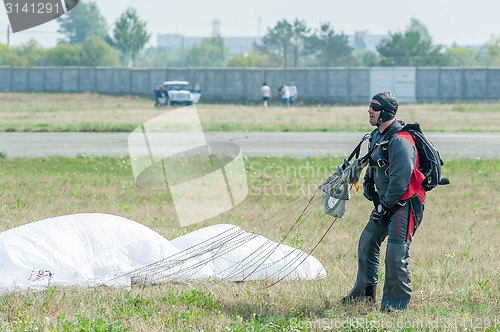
(384, 145)
(357, 149)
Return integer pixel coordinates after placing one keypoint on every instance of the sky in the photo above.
(448, 21)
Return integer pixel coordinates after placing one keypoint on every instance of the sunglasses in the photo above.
(376, 108)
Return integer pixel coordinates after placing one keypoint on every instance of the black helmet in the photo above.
(387, 103)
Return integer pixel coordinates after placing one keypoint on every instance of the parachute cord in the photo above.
(266, 255)
(292, 263)
(303, 211)
(309, 254)
(284, 237)
(167, 263)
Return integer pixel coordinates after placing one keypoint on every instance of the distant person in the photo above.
(161, 97)
(285, 95)
(266, 94)
(293, 93)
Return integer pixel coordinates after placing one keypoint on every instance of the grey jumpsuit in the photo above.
(391, 180)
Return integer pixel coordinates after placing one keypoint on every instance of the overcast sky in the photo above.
(462, 21)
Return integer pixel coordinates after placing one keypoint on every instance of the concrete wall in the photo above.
(332, 85)
(457, 84)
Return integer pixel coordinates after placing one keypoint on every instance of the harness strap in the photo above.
(366, 156)
(357, 149)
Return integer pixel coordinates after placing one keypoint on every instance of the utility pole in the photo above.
(8, 35)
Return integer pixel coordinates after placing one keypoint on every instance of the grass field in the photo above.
(93, 112)
(454, 256)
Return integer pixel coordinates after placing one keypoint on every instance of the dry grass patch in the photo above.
(93, 112)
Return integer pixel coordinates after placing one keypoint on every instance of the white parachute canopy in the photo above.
(91, 249)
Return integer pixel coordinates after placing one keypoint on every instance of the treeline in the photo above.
(88, 42)
(93, 51)
(294, 44)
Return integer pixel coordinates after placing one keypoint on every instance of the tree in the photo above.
(409, 49)
(62, 55)
(491, 56)
(417, 26)
(365, 58)
(209, 53)
(129, 35)
(30, 53)
(461, 57)
(95, 52)
(300, 32)
(255, 59)
(9, 57)
(158, 57)
(25, 55)
(279, 39)
(85, 20)
(329, 48)
(243, 60)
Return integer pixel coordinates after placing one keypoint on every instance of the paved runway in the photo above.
(291, 144)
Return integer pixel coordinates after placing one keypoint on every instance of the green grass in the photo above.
(454, 256)
(86, 112)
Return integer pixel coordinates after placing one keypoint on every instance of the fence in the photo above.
(332, 85)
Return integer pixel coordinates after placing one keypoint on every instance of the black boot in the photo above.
(356, 296)
(371, 293)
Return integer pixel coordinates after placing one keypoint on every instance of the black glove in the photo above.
(369, 190)
(369, 186)
(370, 193)
(380, 214)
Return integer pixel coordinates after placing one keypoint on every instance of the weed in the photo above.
(84, 321)
(483, 284)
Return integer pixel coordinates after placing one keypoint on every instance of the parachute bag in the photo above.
(429, 158)
(336, 191)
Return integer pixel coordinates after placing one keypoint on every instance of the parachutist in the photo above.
(387, 182)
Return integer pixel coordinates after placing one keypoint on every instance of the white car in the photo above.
(179, 92)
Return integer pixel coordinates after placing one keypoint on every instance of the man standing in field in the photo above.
(394, 183)
(266, 94)
(293, 93)
(285, 95)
